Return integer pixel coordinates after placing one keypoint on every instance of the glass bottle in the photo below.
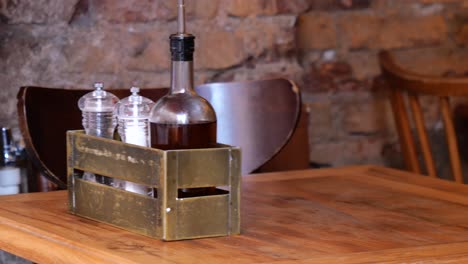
(182, 119)
(10, 172)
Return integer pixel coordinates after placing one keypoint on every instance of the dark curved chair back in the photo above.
(45, 114)
(258, 116)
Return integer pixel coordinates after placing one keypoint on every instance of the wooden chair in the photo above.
(406, 83)
(258, 116)
(45, 114)
(295, 154)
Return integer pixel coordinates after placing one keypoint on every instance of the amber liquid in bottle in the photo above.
(188, 136)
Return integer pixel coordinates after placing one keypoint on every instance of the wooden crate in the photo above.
(166, 216)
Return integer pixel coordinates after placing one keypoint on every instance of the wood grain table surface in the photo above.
(362, 214)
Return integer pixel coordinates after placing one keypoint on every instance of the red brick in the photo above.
(320, 126)
(276, 40)
(316, 31)
(337, 69)
(462, 35)
(272, 7)
(92, 52)
(331, 5)
(369, 117)
(292, 6)
(329, 77)
(364, 64)
(362, 31)
(439, 1)
(345, 151)
(37, 12)
(315, 82)
(218, 49)
(202, 9)
(147, 51)
(387, 7)
(259, 70)
(130, 11)
(434, 61)
(243, 8)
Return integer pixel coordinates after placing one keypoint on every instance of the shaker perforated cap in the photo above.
(98, 100)
(134, 106)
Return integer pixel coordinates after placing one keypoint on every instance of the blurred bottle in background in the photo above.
(97, 108)
(133, 126)
(10, 171)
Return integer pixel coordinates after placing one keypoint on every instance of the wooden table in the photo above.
(363, 214)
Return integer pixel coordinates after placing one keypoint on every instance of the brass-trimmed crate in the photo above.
(166, 216)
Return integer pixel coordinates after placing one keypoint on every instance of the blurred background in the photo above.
(328, 47)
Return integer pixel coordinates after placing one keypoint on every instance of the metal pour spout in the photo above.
(181, 17)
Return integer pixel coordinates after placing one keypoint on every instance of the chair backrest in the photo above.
(45, 114)
(295, 154)
(406, 83)
(258, 116)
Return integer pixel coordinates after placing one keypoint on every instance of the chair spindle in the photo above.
(423, 138)
(451, 139)
(402, 122)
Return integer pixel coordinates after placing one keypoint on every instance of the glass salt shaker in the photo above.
(97, 108)
(133, 126)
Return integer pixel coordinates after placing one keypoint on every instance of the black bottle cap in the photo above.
(182, 47)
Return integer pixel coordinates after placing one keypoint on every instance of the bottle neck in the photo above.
(182, 77)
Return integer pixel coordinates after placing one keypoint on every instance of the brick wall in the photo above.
(327, 46)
